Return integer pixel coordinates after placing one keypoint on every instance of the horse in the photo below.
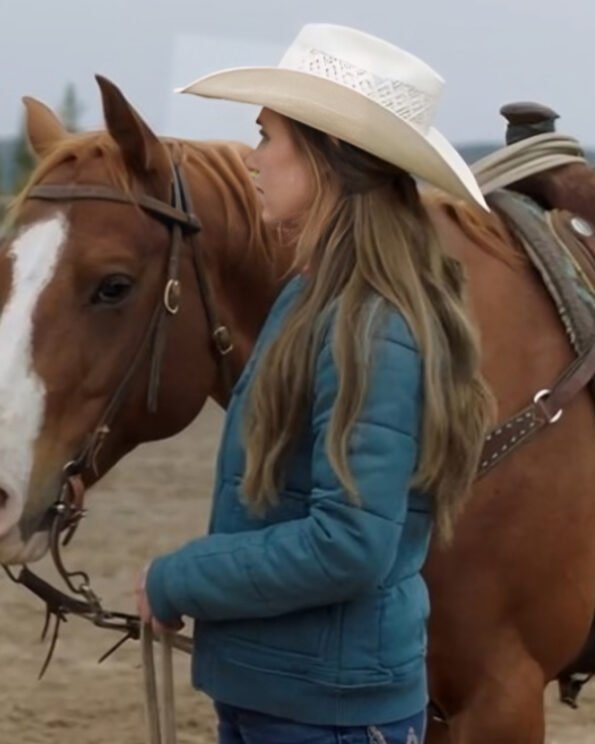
(86, 268)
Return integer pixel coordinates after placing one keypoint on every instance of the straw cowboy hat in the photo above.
(360, 89)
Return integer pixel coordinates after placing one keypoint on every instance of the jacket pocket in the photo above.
(361, 631)
(302, 634)
(403, 623)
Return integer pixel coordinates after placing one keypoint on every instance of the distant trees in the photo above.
(3, 194)
(23, 160)
(71, 109)
(3, 197)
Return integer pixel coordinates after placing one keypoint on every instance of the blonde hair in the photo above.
(367, 235)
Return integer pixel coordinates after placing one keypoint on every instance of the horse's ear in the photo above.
(44, 129)
(143, 153)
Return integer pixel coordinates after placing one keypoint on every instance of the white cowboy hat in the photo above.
(360, 89)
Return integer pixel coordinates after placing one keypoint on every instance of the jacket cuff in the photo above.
(157, 592)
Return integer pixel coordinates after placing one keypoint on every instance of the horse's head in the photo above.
(81, 281)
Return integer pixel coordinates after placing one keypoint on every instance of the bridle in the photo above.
(66, 513)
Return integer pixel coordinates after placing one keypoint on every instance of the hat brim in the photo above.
(344, 113)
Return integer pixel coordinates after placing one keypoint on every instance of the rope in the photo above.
(150, 683)
(525, 158)
(160, 709)
(168, 704)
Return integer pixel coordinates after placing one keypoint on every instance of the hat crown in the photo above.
(360, 89)
(391, 77)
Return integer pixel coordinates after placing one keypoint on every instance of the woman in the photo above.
(355, 426)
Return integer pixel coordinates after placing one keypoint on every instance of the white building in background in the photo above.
(200, 118)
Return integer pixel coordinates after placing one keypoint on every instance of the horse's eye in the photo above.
(112, 289)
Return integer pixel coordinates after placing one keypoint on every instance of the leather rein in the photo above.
(68, 510)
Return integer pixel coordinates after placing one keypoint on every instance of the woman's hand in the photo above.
(144, 609)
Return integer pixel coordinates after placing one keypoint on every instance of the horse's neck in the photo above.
(244, 277)
(244, 298)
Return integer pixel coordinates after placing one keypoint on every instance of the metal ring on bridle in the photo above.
(539, 397)
(71, 468)
(171, 296)
(223, 340)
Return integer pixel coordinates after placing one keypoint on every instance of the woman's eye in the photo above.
(112, 289)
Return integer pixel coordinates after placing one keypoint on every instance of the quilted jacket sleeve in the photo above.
(339, 549)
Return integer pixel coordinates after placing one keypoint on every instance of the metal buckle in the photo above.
(171, 296)
(222, 339)
(538, 398)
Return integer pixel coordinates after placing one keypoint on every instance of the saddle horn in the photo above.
(526, 119)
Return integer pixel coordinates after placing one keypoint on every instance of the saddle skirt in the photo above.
(561, 248)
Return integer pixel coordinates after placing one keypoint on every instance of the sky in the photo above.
(490, 52)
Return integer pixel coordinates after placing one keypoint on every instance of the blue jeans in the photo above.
(239, 726)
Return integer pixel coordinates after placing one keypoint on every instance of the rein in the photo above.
(68, 510)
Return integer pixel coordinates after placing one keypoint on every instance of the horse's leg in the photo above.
(507, 707)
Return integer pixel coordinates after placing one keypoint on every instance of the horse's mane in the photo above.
(486, 230)
(219, 164)
(222, 166)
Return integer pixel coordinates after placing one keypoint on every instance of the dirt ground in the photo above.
(151, 502)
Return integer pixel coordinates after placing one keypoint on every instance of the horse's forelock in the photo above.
(80, 149)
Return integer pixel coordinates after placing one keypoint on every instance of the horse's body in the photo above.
(513, 597)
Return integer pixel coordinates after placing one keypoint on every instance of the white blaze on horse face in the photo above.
(34, 254)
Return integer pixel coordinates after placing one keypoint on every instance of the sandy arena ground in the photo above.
(154, 500)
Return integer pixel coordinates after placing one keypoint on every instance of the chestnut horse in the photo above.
(512, 598)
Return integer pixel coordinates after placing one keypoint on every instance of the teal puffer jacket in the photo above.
(317, 611)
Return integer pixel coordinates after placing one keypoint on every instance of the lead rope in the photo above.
(160, 709)
(168, 702)
(525, 158)
(150, 686)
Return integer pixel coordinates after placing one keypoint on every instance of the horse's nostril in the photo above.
(3, 499)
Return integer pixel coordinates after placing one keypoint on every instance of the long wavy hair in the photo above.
(368, 243)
